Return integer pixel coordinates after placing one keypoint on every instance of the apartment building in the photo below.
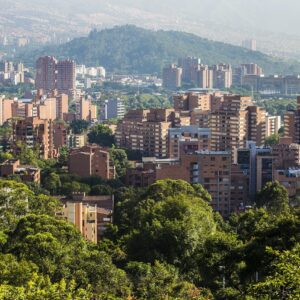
(91, 160)
(26, 173)
(146, 131)
(187, 139)
(85, 109)
(192, 100)
(256, 125)
(212, 169)
(222, 76)
(90, 214)
(229, 123)
(113, 108)
(292, 123)
(189, 65)
(273, 124)
(172, 76)
(52, 74)
(35, 132)
(65, 77)
(84, 217)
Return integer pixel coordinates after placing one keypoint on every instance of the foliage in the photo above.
(101, 135)
(272, 140)
(274, 197)
(79, 126)
(278, 107)
(284, 280)
(120, 160)
(136, 50)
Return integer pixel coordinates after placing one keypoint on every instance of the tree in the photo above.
(63, 156)
(52, 183)
(4, 156)
(101, 135)
(274, 197)
(272, 140)
(161, 281)
(79, 126)
(101, 189)
(14, 198)
(120, 160)
(284, 281)
(171, 229)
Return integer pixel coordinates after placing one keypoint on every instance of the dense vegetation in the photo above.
(278, 107)
(165, 243)
(132, 49)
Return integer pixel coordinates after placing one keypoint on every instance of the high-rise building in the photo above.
(229, 123)
(189, 66)
(85, 109)
(62, 106)
(46, 73)
(256, 125)
(205, 77)
(172, 76)
(252, 69)
(292, 123)
(65, 77)
(222, 76)
(55, 75)
(146, 131)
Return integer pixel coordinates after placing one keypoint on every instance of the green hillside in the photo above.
(132, 49)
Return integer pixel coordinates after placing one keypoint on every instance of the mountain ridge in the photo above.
(133, 49)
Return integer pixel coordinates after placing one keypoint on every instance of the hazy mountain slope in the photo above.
(224, 20)
(133, 49)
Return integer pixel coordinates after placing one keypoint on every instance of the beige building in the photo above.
(84, 217)
(85, 109)
(273, 124)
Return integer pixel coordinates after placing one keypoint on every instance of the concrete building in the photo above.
(146, 131)
(113, 108)
(292, 123)
(91, 160)
(172, 76)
